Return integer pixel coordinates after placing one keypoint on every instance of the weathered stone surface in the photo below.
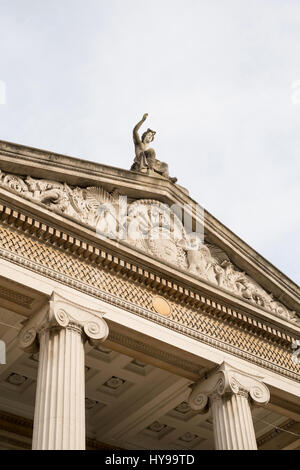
(145, 156)
(149, 226)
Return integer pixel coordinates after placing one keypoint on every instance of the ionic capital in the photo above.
(227, 380)
(63, 312)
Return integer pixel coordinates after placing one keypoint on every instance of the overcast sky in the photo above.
(217, 77)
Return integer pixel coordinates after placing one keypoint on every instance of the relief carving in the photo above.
(150, 226)
(154, 228)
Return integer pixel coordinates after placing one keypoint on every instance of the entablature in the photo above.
(35, 163)
(84, 244)
(132, 282)
(37, 220)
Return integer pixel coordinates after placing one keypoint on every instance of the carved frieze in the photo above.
(238, 334)
(149, 226)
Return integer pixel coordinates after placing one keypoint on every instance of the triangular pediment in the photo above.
(143, 213)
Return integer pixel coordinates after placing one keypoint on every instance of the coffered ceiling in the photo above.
(129, 403)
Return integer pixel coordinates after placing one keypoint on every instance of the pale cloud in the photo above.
(215, 77)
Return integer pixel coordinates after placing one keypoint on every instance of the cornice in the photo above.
(243, 324)
(120, 258)
(20, 159)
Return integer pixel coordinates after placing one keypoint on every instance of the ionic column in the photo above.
(59, 331)
(228, 392)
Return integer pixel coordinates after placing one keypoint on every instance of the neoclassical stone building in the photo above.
(124, 329)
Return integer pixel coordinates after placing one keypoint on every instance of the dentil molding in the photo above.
(150, 226)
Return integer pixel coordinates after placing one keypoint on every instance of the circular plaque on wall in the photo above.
(161, 306)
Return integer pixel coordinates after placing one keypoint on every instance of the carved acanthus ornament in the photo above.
(62, 313)
(226, 381)
(150, 226)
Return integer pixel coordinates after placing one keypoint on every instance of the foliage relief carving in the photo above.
(149, 226)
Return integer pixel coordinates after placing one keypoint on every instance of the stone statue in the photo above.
(145, 157)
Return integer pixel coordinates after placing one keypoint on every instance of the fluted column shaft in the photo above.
(228, 391)
(59, 420)
(60, 330)
(232, 422)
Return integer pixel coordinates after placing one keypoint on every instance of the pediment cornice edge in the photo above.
(37, 222)
(23, 160)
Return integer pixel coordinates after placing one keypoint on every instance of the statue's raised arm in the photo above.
(136, 137)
